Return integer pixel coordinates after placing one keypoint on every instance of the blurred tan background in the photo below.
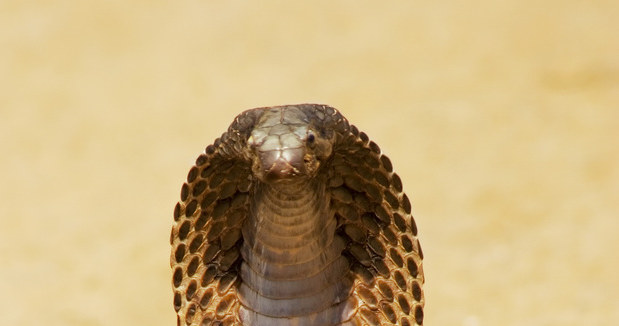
(502, 117)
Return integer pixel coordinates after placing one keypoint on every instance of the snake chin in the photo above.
(285, 166)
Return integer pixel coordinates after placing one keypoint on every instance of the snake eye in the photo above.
(310, 139)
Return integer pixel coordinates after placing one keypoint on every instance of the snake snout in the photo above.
(282, 164)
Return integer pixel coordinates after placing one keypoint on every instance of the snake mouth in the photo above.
(281, 164)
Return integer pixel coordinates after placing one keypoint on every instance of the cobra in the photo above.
(294, 217)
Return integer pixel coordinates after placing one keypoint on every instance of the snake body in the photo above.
(294, 217)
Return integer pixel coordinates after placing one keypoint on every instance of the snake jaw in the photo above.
(280, 164)
(286, 163)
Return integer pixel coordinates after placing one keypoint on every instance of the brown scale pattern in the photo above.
(373, 215)
(382, 234)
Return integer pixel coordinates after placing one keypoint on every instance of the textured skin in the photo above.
(293, 217)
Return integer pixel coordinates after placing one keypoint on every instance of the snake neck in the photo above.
(292, 271)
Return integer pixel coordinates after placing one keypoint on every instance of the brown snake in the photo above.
(294, 217)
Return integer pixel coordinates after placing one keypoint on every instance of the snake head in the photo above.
(286, 146)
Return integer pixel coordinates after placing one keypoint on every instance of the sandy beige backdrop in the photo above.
(502, 118)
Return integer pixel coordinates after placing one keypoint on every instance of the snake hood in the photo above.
(295, 217)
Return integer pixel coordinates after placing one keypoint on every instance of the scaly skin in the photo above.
(293, 217)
